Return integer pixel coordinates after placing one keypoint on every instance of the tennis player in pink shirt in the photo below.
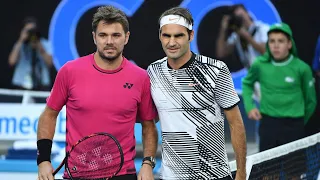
(103, 92)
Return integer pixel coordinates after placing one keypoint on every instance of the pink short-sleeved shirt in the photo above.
(103, 101)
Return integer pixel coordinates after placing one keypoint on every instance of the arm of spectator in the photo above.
(45, 51)
(248, 87)
(15, 52)
(224, 47)
(258, 46)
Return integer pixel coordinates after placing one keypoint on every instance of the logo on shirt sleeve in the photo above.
(311, 82)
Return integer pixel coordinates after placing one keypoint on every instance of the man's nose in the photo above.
(109, 40)
(172, 41)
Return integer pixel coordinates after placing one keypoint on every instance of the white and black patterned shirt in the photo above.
(190, 103)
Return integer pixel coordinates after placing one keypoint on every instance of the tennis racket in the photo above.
(97, 156)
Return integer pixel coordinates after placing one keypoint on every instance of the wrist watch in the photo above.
(151, 159)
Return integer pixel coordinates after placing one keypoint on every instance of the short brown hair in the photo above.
(110, 14)
(181, 12)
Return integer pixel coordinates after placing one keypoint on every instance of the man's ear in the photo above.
(191, 36)
(290, 44)
(94, 37)
(127, 37)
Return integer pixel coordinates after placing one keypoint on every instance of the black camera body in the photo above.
(235, 22)
(33, 35)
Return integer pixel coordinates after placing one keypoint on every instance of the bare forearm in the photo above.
(221, 45)
(47, 57)
(238, 140)
(46, 125)
(260, 47)
(150, 140)
(13, 57)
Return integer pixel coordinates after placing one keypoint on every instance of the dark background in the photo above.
(144, 46)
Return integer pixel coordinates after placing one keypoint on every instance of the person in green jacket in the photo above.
(288, 97)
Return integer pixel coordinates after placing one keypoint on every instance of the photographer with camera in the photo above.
(31, 56)
(247, 36)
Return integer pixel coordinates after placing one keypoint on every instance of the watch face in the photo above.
(153, 159)
(150, 158)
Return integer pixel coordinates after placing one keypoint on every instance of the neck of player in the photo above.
(108, 64)
(177, 63)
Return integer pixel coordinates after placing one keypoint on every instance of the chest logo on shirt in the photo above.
(289, 79)
(193, 84)
(128, 85)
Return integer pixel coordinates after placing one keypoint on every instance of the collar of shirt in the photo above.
(187, 64)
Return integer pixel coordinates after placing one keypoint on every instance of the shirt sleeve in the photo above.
(232, 39)
(47, 46)
(226, 95)
(262, 36)
(60, 90)
(147, 109)
(248, 86)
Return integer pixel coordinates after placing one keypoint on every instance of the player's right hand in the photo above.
(225, 21)
(45, 171)
(254, 114)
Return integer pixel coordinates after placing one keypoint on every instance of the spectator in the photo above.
(287, 90)
(32, 58)
(246, 35)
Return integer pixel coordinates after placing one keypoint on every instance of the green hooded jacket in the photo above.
(287, 87)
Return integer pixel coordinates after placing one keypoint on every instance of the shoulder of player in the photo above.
(210, 62)
(159, 61)
(74, 64)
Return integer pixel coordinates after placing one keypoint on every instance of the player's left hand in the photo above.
(146, 173)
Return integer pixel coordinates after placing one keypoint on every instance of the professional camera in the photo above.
(33, 35)
(235, 22)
